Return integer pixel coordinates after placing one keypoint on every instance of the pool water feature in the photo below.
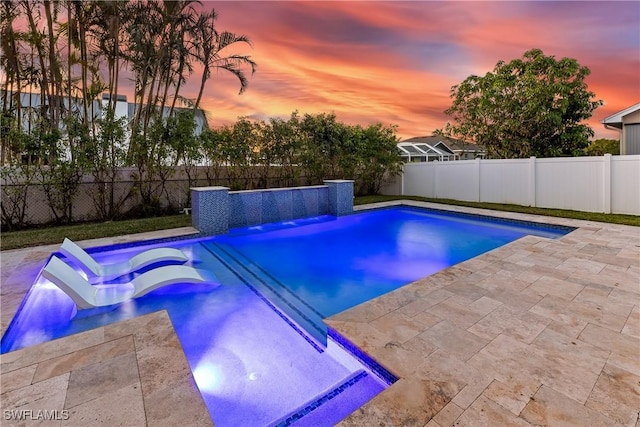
(254, 338)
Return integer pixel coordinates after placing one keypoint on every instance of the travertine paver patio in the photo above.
(537, 332)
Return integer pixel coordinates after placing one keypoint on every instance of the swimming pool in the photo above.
(254, 365)
(331, 264)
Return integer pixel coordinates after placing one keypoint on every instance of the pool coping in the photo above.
(429, 391)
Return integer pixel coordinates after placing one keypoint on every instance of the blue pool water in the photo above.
(252, 363)
(339, 263)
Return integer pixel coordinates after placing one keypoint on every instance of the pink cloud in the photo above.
(395, 62)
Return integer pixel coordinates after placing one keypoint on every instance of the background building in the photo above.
(438, 148)
(627, 122)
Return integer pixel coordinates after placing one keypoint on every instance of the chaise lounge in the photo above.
(86, 295)
(142, 260)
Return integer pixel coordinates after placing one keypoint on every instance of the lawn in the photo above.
(55, 235)
(93, 230)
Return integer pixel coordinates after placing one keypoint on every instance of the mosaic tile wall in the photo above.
(277, 206)
(210, 209)
(246, 207)
(340, 196)
(215, 209)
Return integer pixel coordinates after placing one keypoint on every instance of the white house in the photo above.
(627, 122)
(31, 101)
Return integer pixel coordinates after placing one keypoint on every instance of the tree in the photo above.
(325, 143)
(106, 33)
(603, 146)
(534, 106)
(378, 158)
(209, 43)
(11, 64)
(107, 156)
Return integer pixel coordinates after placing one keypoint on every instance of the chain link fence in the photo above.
(27, 205)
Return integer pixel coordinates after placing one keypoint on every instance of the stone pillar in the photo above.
(340, 196)
(210, 209)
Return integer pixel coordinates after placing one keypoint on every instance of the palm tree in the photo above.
(51, 10)
(10, 63)
(105, 24)
(180, 18)
(78, 14)
(209, 46)
(142, 53)
(35, 39)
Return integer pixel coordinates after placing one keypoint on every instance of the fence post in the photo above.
(606, 183)
(435, 164)
(478, 199)
(532, 181)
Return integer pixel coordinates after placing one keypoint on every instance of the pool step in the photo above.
(274, 291)
(334, 404)
(260, 272)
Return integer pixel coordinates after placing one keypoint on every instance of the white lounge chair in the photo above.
(144, 259)
(86, 295)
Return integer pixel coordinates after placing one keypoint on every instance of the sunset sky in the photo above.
(395, 62)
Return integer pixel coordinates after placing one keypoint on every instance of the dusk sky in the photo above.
(395, 62)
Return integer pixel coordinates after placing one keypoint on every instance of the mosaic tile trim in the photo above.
(127, 245)
(265, 284)
(239, 257)
(286, 319)
(269, 303)
(363, 357)
(322, 400)
(498, 220)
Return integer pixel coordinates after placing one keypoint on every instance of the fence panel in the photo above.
(625, 184)
(505, 181)
(593, 184)
(419, 180)
(574, 183)
(457, 180)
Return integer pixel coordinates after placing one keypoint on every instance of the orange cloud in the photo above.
(395, 62)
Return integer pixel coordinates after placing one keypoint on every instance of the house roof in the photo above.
(455, 145)
(615, 120)
(422, 149)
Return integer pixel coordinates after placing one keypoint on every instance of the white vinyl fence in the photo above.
(608, 184)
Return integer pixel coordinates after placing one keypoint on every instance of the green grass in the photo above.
(94, 230)
(588, 216)
(55, 235)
